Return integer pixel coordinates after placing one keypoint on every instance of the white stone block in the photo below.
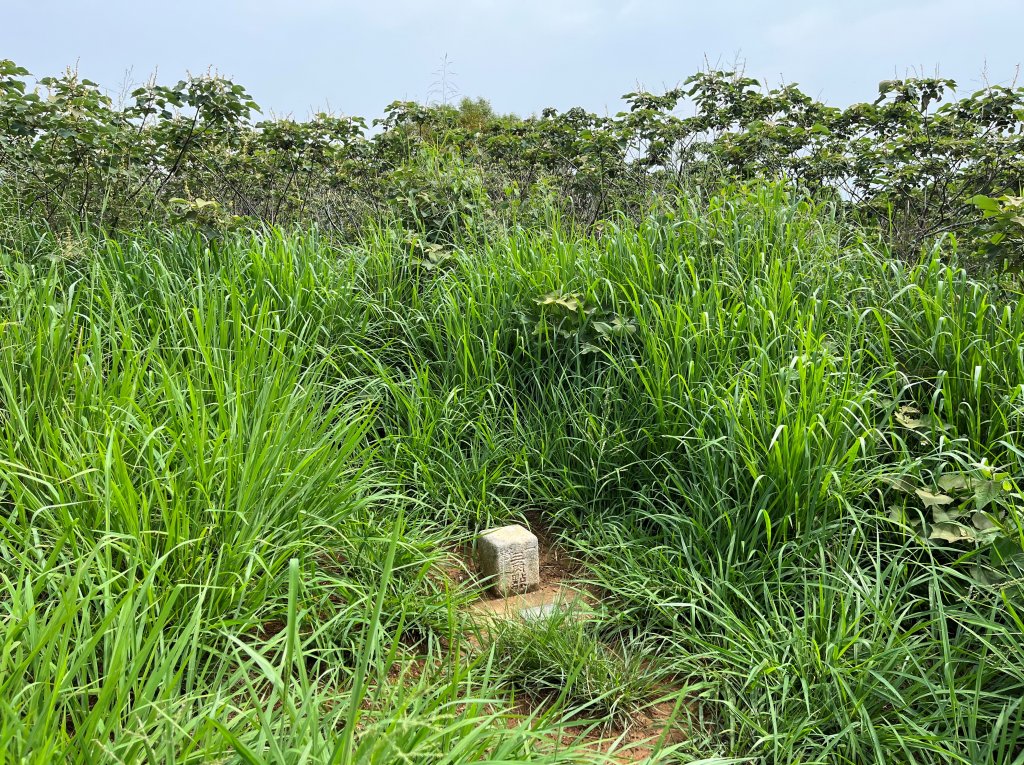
(509, 560)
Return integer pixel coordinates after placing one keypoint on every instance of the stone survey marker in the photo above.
(509, 560)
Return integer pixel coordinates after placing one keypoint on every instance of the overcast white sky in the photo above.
(295, 56)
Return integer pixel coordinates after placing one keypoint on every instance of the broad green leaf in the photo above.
(955, 482)
(983, 521)
(569, 302)
(951, 532)
(982, 202)
(899, 482)
(985, 492)
(933, 500)
(943, 516)
(909, 417)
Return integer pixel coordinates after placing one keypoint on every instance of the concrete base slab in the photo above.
(532, 606)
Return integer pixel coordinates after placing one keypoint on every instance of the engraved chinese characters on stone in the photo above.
(509, 560)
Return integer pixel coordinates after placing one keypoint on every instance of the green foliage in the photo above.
(1001, 231)
(736, 476)
(564, 658)
(234, 467)
(909, 163)
(199, 559)
(438, 196)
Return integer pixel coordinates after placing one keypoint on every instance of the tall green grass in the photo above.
(233, 473)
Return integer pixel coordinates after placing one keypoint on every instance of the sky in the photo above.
(354, 57)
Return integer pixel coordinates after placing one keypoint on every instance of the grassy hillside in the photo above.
(239, 480)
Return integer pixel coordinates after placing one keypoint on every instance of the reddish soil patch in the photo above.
(647, 733)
